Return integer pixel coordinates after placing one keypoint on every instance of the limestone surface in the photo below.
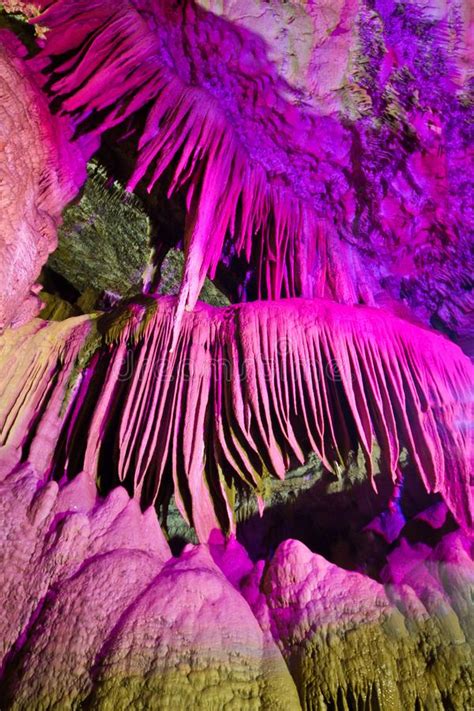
(40, 172)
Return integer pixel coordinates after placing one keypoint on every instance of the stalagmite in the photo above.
(254, 493)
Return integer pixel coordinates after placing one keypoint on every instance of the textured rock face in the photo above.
(351, 641)
(98, 613)
(107, 617)
(307, 149)
(339, 132)
(105, 253)
(42, 357)
(104, 241)
(40, 172)
(313, 44)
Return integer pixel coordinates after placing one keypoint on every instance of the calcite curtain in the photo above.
(263, 502)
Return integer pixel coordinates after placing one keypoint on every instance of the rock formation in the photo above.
(40, 173)
(263, 501)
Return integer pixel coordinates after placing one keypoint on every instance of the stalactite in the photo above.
(250, 391)
(334, 173)
(114, 60)
(37, 376)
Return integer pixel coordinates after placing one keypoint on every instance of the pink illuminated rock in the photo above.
(37, 360)
(242, 173)
(312, 43)
(300, 360)
(50, 533)
(97, 611)
(316, 150)
(348, 638)
(40, 172)
(303, 136)
(249, 390)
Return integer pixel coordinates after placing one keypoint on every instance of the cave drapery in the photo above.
(307, 437)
